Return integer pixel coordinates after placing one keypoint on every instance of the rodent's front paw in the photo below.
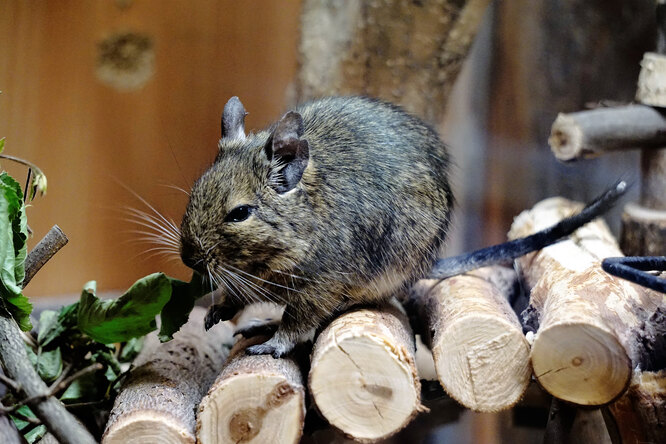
(272, 347)
(217, 313)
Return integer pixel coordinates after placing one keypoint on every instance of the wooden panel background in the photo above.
(89, 138)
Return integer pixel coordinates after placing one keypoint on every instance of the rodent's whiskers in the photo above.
(263, 280)
(253, 287)
(165, 239)
(177, 188)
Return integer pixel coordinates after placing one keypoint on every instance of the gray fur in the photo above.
(364, 218)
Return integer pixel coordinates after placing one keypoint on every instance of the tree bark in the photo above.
(363, 378)
(159, 399)
(480, 352)
(8, 432)
(49, 410)
(390, 49)
(588, 320)
(254, 399)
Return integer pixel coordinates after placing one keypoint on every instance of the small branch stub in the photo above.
(363, 378)
(591, 133)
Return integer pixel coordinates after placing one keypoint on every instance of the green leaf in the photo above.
(88, 387)
(35, 434)
(131, 349)
(19, 422)
(131, 315)
(2, 145)
(53, 324)
(47, 363)
(176, 312)
(13, 250)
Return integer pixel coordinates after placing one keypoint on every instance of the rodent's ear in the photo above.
(233, 119)
(288, 153)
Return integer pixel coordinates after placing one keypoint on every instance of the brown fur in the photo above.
(366, 218)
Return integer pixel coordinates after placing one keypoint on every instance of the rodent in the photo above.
(343, 201)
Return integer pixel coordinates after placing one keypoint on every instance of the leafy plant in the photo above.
(84, 349)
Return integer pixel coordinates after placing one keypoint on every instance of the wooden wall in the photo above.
(89, 137)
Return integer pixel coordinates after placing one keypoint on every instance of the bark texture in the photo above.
(588, 321)
(481, 355)
(158, 402)
(390, 49)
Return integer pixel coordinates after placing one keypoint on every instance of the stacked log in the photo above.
(363, 379)
(587, 319)
(255, 399)
(481, 355)
(159, 399)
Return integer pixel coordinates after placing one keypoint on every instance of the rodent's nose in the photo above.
(190, 256)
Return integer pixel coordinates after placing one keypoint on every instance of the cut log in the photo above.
(363, 378)
(481, 355)
(588, 320)
(389, 49)
(640, 415)
(255, 399)
(591, 133)
(159, 399)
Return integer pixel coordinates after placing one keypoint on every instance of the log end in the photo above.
(652, 80)
(144, 426)
(364, 383)
(643, 231)
(483, 362)
(566, 138)
(247, 407)
(580, 363)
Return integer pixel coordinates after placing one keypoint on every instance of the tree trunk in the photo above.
(408, 53)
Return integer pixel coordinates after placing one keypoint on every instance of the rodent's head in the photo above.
(241, 211)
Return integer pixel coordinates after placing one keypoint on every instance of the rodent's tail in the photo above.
(502, 253)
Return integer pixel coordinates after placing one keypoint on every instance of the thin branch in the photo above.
(49, 410)
(54, 240)
(55, 388)
(9, 382)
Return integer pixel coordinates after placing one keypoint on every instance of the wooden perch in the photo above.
(363, 378)
(158, 401)
(481, 355)
(254, 399)
(591, 133)
(640, 415)
(588, 320)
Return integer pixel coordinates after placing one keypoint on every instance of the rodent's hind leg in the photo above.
(220, 312)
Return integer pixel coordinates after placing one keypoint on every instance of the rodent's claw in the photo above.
(271, 347)
(217, 313)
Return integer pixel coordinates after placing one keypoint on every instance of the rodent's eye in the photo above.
(238, 214)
